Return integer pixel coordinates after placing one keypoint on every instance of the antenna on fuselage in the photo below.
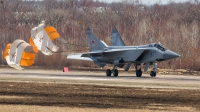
(151, 41)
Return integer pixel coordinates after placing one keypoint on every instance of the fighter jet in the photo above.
(120, 55)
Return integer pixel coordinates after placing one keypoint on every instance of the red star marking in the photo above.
(92, 41)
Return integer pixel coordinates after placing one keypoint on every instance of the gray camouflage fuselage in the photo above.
(134, 54)
(118, 54)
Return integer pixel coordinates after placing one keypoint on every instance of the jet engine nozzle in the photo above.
(167, 55)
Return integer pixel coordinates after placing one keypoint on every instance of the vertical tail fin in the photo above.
(93, 42)
(116, 39)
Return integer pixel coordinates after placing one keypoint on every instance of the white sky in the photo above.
(148, 2)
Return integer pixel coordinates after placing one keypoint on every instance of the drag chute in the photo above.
(42, 39)
(22, 54)
(6, 51)
(19, 54)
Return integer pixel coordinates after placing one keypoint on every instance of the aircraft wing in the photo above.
(139, 54)
(98, 53)
(101, 53)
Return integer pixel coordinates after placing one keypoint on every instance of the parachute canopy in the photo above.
(16, 56)
(17, 53)
(42, 39)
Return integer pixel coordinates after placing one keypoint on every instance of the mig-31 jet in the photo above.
(119, 55)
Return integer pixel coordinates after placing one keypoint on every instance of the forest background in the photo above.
(175, 25)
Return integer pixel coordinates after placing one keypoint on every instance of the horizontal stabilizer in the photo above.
(88, 54)
(78, 57)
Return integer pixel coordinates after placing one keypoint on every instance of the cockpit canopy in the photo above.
(160, 46)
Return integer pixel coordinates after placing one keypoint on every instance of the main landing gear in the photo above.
(138, 71)
(114, 71)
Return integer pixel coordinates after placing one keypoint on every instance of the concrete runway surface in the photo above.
(82, 91)
(125, 79)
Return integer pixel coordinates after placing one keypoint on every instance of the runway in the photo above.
(93, 90)
(125, 79)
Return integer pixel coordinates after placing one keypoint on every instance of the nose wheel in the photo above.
(153, 73)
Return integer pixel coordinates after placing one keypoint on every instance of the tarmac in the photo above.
(125, 79)
(82, 91)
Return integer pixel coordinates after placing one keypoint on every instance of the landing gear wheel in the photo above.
(153, 74)
(108, 72)
(139, 73)
(115, 73)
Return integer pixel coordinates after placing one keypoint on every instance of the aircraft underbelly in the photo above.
(127, 56)
(104, 59)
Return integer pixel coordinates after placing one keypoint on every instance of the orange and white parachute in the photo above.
(17, 54)
(42, 39)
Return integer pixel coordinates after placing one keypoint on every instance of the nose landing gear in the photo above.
(153, 73)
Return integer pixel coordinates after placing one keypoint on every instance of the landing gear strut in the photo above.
(114, 71)
(138, 71)
(153, 73)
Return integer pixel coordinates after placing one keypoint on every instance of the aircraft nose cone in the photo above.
(170, 55)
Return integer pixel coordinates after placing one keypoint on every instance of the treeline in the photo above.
(175, 25)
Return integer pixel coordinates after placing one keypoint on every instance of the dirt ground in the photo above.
(34, 96)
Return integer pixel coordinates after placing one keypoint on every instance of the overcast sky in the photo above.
(149, 2)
